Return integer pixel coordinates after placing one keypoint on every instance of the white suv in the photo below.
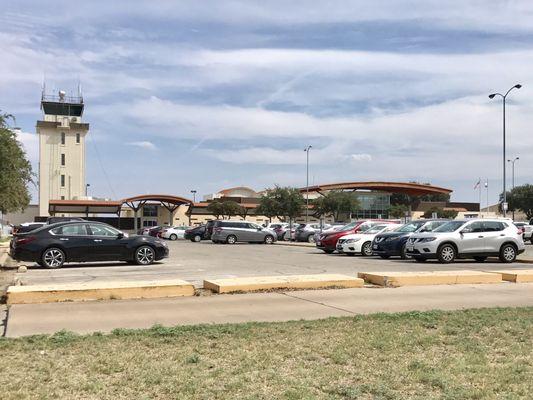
(471, 238)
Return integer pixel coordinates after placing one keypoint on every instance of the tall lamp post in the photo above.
(307, 149)
(504, 97)
(512, 180)
(87, 188)
(194, 195)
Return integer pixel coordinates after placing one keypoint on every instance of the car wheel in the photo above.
(508, 253)
(197, 238)
(446, 254)
(311, 239)
(173, 237)
(327, 251)
(231, 239)
(403, 253)
(384, 256)
(53, 258)
(144, 255)
(480, 259)
(366, 249)
(269, 239)
(420, 259)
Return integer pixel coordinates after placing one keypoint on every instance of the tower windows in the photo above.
(77, 138)
(62, 180)
(62, 159)
(62, 138)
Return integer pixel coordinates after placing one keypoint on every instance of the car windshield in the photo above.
(410, 227)
(349, 226)
(376, 229)
(451, 226)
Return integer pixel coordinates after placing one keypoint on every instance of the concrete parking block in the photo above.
(250, 284)
(99, 291)
(396, 279)
(517, 275)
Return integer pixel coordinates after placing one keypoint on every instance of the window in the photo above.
(149, 223)
(71, 230)
(62, 197)
(77, 138)
(62, 159)
(150, 210)
(63, 138)
(102, 230)
(493, 226)
(62, 180)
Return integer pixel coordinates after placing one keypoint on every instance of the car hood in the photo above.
(389, 235)
(358, 235)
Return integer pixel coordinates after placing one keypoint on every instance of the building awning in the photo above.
(84, 207)
(412, 189)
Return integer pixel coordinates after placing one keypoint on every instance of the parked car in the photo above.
(81, 241)
(470, 238)
(361, 243)
(209, 229)
(390, 244)
(174, 232)
(156, 230)
(327, 241)
(241, 231)
(282, 231)
(146, 230)
(306, 232)
(27, 227)
(54, 220)
(196, 234)
(526, 229)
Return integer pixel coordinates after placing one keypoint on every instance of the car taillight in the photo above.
(25, 240)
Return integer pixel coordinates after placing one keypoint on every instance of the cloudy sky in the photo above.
(205, 95)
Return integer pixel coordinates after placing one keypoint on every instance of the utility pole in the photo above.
(512, 180)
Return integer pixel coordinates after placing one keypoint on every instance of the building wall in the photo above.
(50, 168)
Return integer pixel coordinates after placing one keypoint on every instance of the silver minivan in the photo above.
(241, 231)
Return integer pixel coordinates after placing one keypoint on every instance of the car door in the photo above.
(74, 239)
(494, 235)
(472, 238)
(106, 245)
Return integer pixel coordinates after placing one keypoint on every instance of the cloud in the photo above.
(143, 145)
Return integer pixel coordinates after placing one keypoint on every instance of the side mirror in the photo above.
(120, 235)
(466, 230)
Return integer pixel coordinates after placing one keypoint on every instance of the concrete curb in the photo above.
(397, 279)
(252, 284)
(516, 275)
(295, 244)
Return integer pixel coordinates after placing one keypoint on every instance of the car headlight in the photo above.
(351, 241)
(428, 239)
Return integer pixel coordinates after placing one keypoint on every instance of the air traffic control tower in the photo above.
(61, 149)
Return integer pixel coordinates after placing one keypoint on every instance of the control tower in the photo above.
(61, 149)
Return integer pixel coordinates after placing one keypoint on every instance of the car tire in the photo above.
(311, 239)
(53, 257)
(196, 238)
(420, 259)
(507, 253)
(144, 255)
(173, 237)
(231, 239)
(480, 259)
(269, 239)
(384, 256)
(446, 253)
(328, 251)
(366, 249)
(403, 253)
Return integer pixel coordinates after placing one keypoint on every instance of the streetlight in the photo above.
(504, 97)
(512, 162)
(307, 149)
(193, 195)
(86, 189)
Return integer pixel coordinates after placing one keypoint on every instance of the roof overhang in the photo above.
(84, 207)
(412, 189)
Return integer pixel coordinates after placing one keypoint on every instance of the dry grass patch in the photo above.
(472, 354)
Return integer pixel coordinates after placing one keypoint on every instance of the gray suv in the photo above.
(471, 238)
(241, 231)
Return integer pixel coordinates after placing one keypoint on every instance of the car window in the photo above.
(430, 226)
(476, 227)
(376, 229)
(493, 226)
(102, 230)
(71, 230)
(451, 226)
(410, 227)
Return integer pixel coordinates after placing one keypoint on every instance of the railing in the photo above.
(62, 99)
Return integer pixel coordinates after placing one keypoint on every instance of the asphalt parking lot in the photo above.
(197, 261)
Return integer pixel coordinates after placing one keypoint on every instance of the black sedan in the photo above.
(196, 234)
(80, 241)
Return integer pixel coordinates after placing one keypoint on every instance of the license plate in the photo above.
(410, 248)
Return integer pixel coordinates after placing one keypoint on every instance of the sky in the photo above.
(206, 95)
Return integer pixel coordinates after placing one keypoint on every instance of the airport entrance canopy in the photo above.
(411, 189)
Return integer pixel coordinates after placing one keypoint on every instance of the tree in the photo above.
(243, 212)
(441, 213)
(282, 202)
(398, 210)
(335, 203)
(521, 198)
(15, 170)
(268, 206)
(216, 208)
(231, 208)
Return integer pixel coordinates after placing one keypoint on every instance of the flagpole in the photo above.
(487, 187)
(479, 196)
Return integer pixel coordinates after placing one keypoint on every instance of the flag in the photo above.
(477, 184)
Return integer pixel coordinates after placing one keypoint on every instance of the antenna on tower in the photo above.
(80, 96)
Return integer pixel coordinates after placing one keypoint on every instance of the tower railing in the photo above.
(62, 99)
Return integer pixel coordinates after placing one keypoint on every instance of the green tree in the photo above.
(441, 213)
(231, 208)
(286, 203)
(521, 198)
(15, 170)
(335, 203)
(216, 208)
(268, 206)
(398, 210)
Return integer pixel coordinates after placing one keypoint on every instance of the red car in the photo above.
(327, 241)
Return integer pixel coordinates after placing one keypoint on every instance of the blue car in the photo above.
(391, 244)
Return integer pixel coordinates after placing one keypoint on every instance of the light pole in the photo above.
(504, 97)
(307, 149)
(87, 189)
(512, 180)
(193, 195)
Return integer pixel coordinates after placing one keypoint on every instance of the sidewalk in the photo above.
(104, 316)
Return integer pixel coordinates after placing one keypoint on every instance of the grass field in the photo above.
(473, 354)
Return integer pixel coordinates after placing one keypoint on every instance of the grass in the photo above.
(472, 354)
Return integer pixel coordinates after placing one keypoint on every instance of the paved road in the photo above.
(103, 316)
(197, 261)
